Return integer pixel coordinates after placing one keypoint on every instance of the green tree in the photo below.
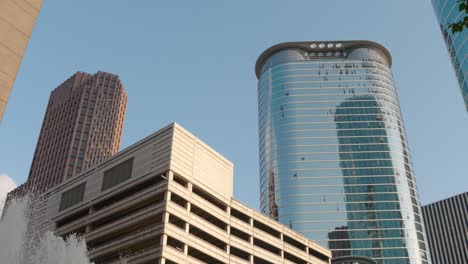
(463, 23)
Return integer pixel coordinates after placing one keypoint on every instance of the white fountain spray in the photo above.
(48, 250)
(12, 232)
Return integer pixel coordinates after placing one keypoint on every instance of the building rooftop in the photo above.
(322, 46)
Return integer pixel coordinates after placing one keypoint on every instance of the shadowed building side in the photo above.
(338, 242)
(447, 229)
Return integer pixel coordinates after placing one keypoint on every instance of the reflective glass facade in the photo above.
(334, 159)
(447, 12)
(352, 260)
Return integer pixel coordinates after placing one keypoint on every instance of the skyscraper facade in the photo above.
(334, 159)
(82, 126)
(17, 19)
(447, 229)
(448, 12)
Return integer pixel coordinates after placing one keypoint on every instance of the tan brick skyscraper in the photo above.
(82, 126)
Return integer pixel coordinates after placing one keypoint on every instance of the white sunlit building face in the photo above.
(167, 199)
(334, 159)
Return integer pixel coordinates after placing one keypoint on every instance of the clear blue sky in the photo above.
(193, 62)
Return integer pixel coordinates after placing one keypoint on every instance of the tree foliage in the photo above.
(463, 23)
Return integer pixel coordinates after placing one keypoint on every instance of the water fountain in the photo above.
(48, 250)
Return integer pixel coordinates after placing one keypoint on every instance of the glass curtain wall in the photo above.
(334, 159)
(447, 12)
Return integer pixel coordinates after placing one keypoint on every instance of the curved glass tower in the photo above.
(334, 159)
(447, 12)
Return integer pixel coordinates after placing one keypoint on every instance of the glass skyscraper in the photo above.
(447, 12)
(334, 159)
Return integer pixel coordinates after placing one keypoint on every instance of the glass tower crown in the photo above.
(447, 12)
(334, 159)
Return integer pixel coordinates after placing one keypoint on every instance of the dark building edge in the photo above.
(446, 229)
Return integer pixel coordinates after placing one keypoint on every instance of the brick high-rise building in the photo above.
(82, 126)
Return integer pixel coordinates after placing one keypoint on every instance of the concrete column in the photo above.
(88, 227)
(170, 175)
(164, 240)
(162, 261)
(251, 221)
(167, 196)
(190, 188)
(166, 217)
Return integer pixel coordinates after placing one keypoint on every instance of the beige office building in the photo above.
(17, 19)
(168, 199)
